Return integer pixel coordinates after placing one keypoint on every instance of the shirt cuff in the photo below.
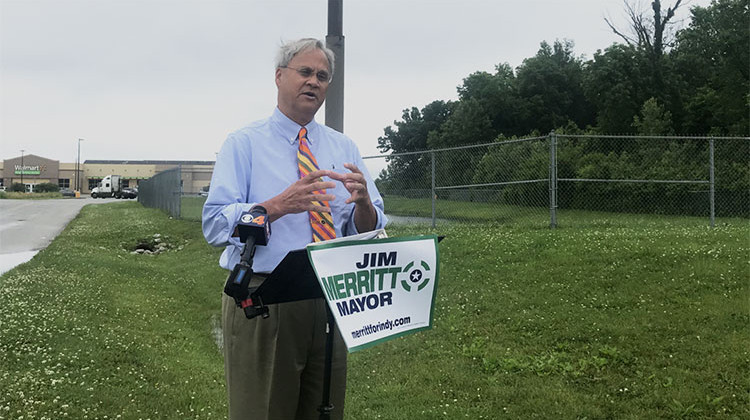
(350, 228)
(232, 215)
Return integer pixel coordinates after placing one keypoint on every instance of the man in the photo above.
(274, 366)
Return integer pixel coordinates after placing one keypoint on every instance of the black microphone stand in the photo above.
(325, 406)
(251, 308)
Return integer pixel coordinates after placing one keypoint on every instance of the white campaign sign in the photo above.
(378, 289)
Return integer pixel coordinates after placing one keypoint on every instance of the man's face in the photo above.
(300, 97)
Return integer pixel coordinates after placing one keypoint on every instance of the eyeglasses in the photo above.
(322, 75)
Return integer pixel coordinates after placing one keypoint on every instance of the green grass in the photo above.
(29, 196)
(634, 322)
(88, 330)
(640, 320)
(534, 217)
(465, 211)
(191, 207)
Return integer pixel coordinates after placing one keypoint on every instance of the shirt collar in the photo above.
(289, 129)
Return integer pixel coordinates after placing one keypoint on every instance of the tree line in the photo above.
(695, 82)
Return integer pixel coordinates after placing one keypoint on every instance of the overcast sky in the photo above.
(169, 79)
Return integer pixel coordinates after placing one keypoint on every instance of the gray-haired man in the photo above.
(274, 366)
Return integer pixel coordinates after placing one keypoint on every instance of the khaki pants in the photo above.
(274, 366)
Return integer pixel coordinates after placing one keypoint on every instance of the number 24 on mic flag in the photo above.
(378, 289)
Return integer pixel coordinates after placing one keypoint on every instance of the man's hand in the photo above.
(355, 183)
(365, 216)
(299, 197)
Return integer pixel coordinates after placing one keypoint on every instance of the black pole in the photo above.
(325, 406)
(335, 41)
(335, 120)
(24, 185)
(78, 168)
(335, 17)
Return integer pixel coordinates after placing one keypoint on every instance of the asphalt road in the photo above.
(28, 226)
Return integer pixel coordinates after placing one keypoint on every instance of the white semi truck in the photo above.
(109, 186)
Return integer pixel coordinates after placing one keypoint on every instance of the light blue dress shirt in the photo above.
(257, 163)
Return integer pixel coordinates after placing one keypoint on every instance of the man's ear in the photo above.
(278, 76)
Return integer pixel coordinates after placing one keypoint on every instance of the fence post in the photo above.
(552, 179)
(179, 192)
(711, 189)
(432, 191)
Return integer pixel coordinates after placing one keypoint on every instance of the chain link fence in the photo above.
(163, 191)
(684, 176)
(166, 191)
(569, 179)
(502, 182)
(543, 181)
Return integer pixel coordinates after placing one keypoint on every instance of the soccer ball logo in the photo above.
(418, 276)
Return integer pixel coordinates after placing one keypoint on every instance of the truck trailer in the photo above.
(109, 186)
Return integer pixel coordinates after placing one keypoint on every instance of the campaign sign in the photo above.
(378, 289)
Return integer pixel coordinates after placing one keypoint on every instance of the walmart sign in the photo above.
(27, 170)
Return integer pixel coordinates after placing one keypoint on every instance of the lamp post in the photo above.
(24, 185)
(335, 41)
(78, 166)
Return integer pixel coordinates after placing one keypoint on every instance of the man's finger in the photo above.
(319, 209)
(314, 175)
(320, 185)
(337, 176)
(347, 178)
(352, 167)
(321, 197)
(354, 185)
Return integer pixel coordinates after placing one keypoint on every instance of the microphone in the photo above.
(254, 229)
(254, 225)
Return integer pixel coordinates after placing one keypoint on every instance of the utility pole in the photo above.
(78, 166)
(335, 41)
(24, 185)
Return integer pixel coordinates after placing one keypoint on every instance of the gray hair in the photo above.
(288, 50)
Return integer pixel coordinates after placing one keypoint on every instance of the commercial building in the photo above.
(32, 170)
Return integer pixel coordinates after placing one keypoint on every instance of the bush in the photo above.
(17, 187)
(46, 187)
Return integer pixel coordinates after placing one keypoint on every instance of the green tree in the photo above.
(46, 187)
(654, 120)
(469, 124)
(651, 33)
(411, 171)
(497, 95)
(617, 82)
(551, 91)
(713, 56)
(410, 134)
(515, 161)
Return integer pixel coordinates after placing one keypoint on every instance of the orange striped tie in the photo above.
(322, 223)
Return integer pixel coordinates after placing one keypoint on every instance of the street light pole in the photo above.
(335, 41)
(78, 166)
(24, 185)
